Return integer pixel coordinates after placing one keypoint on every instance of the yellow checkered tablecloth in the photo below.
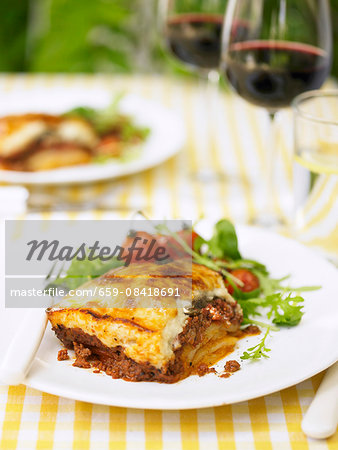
(231, 141)
(32, 419)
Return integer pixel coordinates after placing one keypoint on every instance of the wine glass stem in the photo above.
(212, 92)
(209, 92)
(269, 216)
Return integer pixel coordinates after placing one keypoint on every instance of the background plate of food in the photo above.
(63, 135)
(297, 338)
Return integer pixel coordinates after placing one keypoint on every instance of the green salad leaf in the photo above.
(224, 243)
(285, 311)
(81, 271)
(110, 118)
(259, 350)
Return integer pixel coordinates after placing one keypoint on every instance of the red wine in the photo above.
(272, 73)
(196, 38)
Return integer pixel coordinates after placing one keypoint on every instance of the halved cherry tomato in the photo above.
(109, 145)
(173, 247)
(189, 236)
(249, 280)
(147, 243)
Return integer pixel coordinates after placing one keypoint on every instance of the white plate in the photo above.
(167, 135)
(296, 353)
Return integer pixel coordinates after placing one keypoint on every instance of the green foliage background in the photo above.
(89, 36)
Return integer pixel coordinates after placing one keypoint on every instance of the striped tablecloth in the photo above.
(230, 141)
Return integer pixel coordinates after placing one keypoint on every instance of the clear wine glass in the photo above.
(273, 50)
(192, 31)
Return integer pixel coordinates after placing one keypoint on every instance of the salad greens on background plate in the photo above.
(159, 131)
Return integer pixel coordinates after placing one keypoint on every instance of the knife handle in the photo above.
(23, 347)
(321, 418)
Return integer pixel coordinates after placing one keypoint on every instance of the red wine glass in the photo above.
(193, 33)
(273, 50)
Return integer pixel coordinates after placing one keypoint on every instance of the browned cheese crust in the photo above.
(154, 344)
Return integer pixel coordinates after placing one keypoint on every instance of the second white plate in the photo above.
(166, 138)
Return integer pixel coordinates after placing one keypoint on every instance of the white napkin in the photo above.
(13, 200)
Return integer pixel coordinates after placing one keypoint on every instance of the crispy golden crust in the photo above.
(205, 279)
(146, 334)
(140, 331)
(176, 274)
(11, 123)
(193, 281)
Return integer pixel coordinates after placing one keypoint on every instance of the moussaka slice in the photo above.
(162, 342)
(34, 142)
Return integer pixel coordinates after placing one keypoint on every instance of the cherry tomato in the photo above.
(174, 249)
(170, 244)
(189, 236)
(109, 145)
(146, 243)
(249, 280)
